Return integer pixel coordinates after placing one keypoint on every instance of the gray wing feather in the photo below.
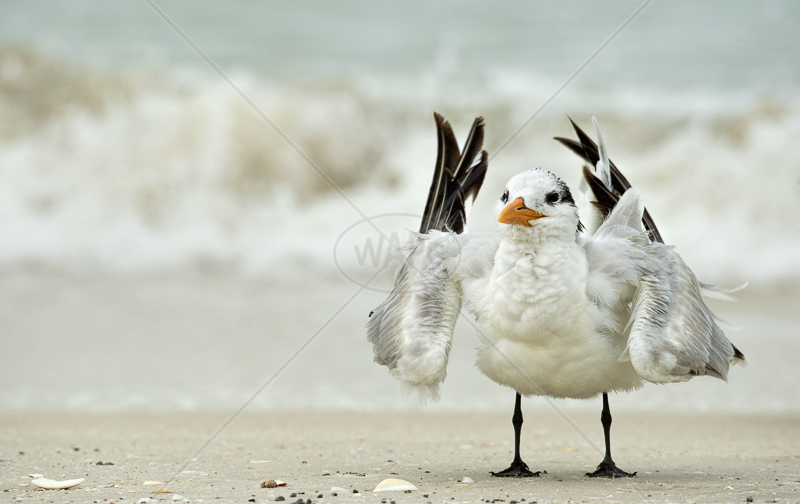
(673, 336)
(412, 330)
(647, 288)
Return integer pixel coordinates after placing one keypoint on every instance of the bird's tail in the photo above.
(457, 178)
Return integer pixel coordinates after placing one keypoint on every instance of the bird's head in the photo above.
(536, 203)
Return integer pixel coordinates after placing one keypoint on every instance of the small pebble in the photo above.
(251, 500)
(319, 496)
(292, 494)
(280, 498)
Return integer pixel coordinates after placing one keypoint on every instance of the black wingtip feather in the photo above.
(589, 152)
(737, 354)
(474, 179)
(572, 145)
(446, 157)
(457, 177)
(605, 199)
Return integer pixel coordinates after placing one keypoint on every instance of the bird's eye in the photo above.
(552, 198)
(504, 197)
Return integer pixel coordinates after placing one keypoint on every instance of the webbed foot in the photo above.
(518, 469)
(609, 470)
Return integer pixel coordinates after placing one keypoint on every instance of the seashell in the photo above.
(338, 490)
(161, 491)
(271, 483)
(36, 476)
(153, 483)
(56, 485)
(394, 485)
(467, 479)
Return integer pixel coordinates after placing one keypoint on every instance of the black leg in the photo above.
(607, 468)
(518, 468)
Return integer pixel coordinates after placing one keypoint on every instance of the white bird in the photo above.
(562, 310)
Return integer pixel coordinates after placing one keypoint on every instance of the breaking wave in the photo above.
(143, 170)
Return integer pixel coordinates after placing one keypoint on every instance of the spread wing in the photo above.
(412, 330)
(650, 297)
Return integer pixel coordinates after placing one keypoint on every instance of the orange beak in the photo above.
(517, 213)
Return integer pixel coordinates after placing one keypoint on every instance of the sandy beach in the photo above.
(679, 457)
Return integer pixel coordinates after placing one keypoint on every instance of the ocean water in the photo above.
(125, 157)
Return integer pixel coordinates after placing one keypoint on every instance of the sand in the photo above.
(679, 457)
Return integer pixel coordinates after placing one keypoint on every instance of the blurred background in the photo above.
(163, 248)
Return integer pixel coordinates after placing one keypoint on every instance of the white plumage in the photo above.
(563, 313)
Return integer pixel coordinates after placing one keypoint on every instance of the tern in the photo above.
(569, 300)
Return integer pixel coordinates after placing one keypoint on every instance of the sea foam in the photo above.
(140, 170)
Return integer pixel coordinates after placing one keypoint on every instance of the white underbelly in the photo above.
(571, 367)
(543, 335)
